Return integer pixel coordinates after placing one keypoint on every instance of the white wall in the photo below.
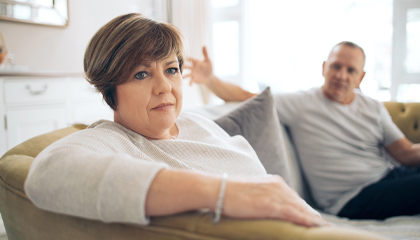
(44, 48)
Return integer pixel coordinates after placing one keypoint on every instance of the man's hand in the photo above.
(201, 71)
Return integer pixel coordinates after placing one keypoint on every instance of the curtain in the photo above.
(193, 18)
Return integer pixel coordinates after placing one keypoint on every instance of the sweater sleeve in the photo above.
(76, 179)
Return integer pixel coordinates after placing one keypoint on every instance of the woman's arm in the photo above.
(264, 197)
(202, 73)
(92, 181)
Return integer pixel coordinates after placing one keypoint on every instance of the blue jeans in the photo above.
(398, 193)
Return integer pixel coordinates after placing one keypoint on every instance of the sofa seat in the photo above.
(398, 228)
(407, 117)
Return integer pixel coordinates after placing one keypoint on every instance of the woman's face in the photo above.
(151, 100)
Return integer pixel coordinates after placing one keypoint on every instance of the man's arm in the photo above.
(405, 152)
(228, 91)
(202, 73)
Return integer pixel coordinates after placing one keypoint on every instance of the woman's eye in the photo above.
(172, 70)
(140, 75)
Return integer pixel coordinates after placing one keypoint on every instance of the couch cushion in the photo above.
(256, 120)
(398, 228)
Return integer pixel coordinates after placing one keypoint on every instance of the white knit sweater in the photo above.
(104, 172)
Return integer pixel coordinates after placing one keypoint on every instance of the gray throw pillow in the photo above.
(256, 120)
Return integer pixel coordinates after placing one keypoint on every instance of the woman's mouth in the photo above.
(163, 107)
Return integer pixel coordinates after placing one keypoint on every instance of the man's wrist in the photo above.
(211, 80)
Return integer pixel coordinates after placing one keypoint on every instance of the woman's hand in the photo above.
(201, 71)
(267, 197)
(262, 197)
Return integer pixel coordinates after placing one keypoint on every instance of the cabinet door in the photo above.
(25, 124)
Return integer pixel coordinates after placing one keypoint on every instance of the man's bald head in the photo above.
(348, 44)
(343, 71)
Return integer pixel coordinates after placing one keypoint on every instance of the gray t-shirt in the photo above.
(341, 147)
(104, 172)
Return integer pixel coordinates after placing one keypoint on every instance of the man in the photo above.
(342, 138)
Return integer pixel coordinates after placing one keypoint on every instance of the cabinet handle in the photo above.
(37, 92)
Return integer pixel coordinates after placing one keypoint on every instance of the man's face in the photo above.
(343, 71)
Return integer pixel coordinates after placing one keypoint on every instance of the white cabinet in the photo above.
(33, 105)
(27, 123)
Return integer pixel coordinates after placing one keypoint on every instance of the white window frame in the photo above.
(236, 13)
(399, 46)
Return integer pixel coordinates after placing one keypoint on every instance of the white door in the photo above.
(25, 124)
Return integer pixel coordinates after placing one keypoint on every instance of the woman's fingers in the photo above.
(291, 214)
(268, 197)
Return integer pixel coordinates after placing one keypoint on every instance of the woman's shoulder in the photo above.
(192, 116)
(102, 136)
(196, 118)
(188, 118)
(194, 122)
(111, 128)
(105, 124)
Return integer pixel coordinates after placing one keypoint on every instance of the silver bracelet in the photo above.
(219, 205)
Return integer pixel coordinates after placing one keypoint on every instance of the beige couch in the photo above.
(23, 220)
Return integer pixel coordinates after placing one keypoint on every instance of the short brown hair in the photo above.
(121, 45)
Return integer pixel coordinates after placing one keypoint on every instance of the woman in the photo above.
(153, 160)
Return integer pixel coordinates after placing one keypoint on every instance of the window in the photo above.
(406, 53)
(284, 43)
(228, 40)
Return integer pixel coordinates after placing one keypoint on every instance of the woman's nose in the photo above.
(162, 85)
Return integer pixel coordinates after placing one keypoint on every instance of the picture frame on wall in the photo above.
(41, 12)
